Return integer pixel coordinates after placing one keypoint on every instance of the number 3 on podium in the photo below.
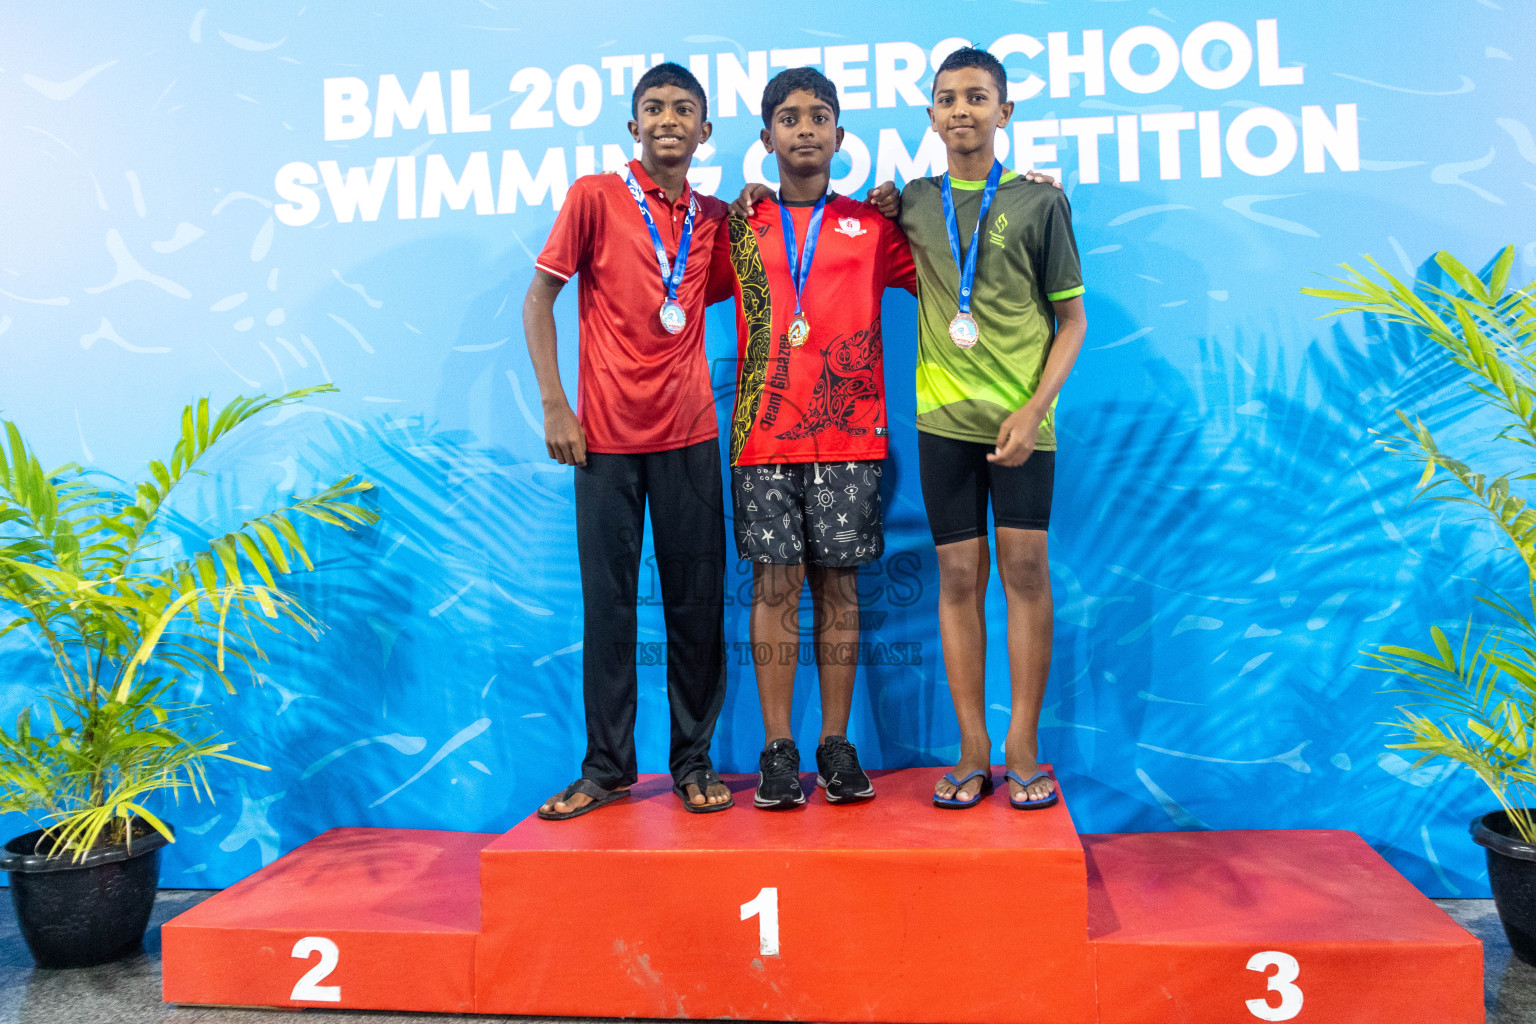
(765, 907)
(1283, 981)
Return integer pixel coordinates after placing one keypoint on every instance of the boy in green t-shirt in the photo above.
(1000, 323)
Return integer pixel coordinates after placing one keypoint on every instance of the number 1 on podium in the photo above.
(765, 907)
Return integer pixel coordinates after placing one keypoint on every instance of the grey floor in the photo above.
(128, 992)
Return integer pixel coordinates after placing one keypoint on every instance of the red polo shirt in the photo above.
(639, 389)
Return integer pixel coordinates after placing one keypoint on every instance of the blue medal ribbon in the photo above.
(967, 266)
(800, 262)
(671, 273)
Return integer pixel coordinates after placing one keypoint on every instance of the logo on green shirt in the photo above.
(996, 234)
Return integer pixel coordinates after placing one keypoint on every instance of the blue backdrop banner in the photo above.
(251, 197)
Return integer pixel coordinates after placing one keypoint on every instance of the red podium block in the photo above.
(366, 918)
(891, 911)
(1271, 926)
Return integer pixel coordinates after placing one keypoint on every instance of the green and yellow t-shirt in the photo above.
(1028, 260)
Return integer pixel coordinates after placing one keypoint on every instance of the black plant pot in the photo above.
(1512, 875)
(79, 913)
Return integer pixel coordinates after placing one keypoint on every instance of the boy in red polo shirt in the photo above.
(809, 435)
(643, 433)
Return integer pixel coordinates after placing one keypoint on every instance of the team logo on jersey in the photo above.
(851, 226)
(996, 234)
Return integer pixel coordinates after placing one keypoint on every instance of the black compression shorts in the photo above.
(957, 480)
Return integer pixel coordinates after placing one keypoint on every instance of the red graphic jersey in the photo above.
(639, 389)
(824, 401)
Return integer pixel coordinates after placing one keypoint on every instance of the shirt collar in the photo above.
(808, 203)
(977, 186)
(647, 185)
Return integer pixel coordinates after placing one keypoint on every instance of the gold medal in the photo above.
(799, 261)
(799, 330)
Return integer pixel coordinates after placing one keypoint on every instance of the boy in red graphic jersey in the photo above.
(809, 433)
(1031, 788)
(643, 433)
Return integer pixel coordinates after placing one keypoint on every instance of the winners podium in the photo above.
(887, 911)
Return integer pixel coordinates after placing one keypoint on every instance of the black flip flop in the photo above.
(703, 778)
(586, 787)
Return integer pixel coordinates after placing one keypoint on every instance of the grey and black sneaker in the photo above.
(838, 772)
(778, 780)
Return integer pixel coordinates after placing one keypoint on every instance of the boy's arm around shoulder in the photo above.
(887, 198)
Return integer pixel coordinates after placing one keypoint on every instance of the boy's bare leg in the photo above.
(1025, 571)
(963, 569)
(776, 622)
(835, 591)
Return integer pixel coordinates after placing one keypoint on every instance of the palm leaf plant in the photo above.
(82, 570)
(1473, 699)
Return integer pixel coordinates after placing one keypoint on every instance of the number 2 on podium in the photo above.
(309, 987)
(765, 907)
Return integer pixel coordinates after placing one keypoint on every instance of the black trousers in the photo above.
(682, 487)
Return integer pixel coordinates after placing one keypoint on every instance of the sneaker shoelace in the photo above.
(840, 755)
(781, 761)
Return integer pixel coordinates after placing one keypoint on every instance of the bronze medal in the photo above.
(963, 330)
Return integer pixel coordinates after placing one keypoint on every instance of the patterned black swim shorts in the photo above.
(817, 513)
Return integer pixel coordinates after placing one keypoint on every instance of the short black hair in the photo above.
(798, 79)
(667, 74)
(973, 57)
